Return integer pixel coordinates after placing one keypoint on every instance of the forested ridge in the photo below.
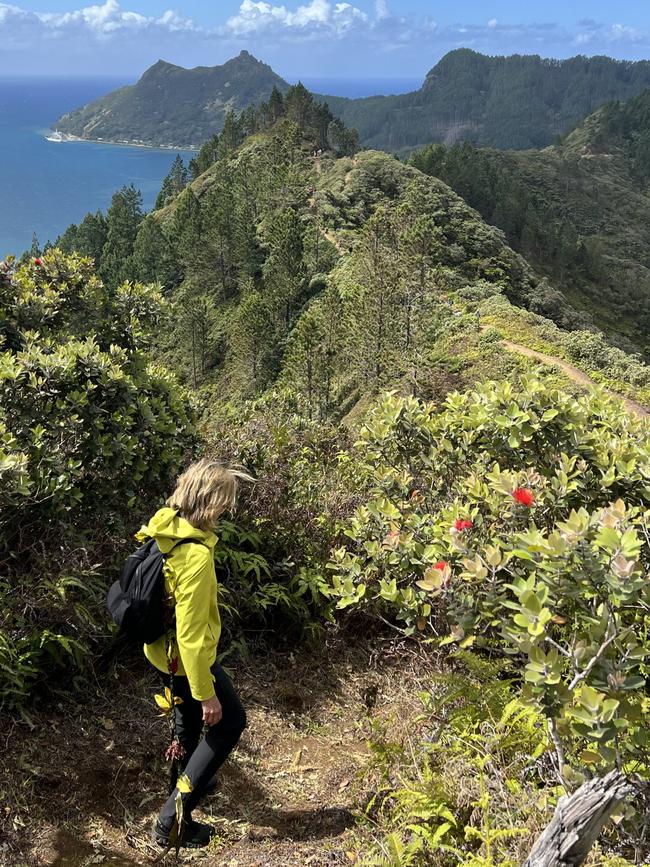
(515, 102)
(471, 522)
(578, 211)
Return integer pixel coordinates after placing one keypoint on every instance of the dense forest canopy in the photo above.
(578, 211)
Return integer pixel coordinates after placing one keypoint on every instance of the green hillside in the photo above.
(504, 102)
(174, 106)
(512, 102)
(578, 211)
(341, 275)
(435, 597)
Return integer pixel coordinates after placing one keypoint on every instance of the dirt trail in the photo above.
(573, 373)
(289, 797)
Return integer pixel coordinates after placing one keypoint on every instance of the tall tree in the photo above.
(174, 183)
(123, 221)
(284, 270)
(153, 259)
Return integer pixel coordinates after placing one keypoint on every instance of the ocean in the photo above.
(45, 186)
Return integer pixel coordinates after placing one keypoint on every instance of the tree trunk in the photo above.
(578, 821)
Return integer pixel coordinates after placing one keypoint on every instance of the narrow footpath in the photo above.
(573, 373)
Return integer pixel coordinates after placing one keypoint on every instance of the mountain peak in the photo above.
(160, 67)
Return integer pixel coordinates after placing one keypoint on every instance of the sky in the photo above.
(310, 38)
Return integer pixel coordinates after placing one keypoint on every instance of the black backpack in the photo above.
(137, 601)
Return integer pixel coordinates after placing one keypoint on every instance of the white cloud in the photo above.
(257, 16)
(597, 33)
(100, 20)
(381, 9)
(109, 33)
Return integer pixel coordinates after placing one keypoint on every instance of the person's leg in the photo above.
(189, 724)
(213, 750)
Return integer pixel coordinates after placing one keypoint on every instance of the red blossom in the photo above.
(38, 261)
(460, 525)
(441, 565)
(524, 496)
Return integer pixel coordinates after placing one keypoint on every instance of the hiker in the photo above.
(203, 493)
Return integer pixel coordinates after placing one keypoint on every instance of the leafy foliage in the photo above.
(88, 426)
(500, 521)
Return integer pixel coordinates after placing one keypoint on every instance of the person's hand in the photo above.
(211, 711)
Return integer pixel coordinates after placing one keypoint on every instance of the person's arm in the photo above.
(194, 589)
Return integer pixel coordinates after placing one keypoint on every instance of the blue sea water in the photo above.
(45, 186)
(356, 88)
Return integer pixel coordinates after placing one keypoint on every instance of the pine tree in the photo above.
(154, 260)
(251, 339)
(230, 137)
(123, 220)
(275, 106)
(374, 324)
(174, 183)
(91, 236)
(218, 232)
(206, 157)
(284, 270)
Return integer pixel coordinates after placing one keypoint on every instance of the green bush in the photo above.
(517, 522)
(462, 789)
(88, 428)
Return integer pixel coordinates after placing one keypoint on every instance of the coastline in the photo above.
(67, 138)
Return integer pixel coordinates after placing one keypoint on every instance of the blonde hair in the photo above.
(205, 491)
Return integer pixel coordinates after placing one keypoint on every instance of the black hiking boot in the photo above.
(195, 835)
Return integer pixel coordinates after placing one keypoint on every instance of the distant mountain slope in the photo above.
(578, 211)
(171, 105)
(512, 102)
(504, 102)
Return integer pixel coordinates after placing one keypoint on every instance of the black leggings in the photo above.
(203, 757)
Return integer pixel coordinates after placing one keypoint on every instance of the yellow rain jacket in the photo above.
(191, 582)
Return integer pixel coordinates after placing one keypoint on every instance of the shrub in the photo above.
(499, 523)
(88, 426)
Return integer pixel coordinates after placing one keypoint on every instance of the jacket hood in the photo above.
(168, 528)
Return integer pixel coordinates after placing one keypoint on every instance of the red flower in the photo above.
(461, 525)
(524, 496)
(38, 261)
(441, 565)
(173, 665)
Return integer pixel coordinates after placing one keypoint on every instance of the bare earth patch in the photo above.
(83, 787)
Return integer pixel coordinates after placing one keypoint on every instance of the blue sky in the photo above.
(312, 38)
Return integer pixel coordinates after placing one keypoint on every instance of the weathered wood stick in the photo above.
(578, 821)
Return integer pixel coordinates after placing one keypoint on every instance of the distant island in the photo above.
(512, 103)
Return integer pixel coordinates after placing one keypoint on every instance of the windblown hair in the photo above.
(205, 491)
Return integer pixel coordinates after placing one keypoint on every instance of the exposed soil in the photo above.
(83, 787)
(573, 373)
